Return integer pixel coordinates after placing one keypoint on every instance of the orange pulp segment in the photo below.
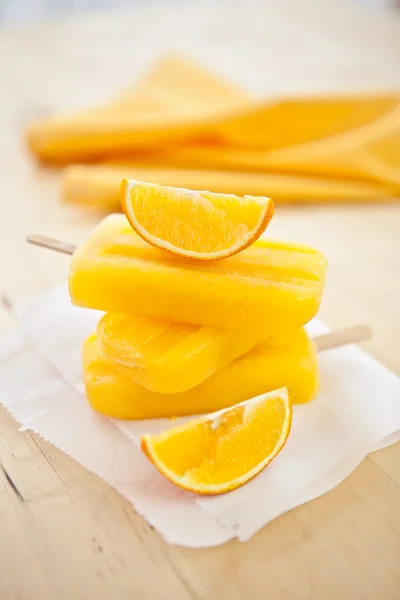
(221, 452)
(200, 225)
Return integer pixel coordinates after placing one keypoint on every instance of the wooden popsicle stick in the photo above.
(326, 341)
(342, 337)
(51, 243)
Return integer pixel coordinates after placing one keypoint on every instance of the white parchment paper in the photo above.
(356, 412)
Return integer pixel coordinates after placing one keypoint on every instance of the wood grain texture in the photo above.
(66, 534)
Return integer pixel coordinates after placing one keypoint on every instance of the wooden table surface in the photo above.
(75, 537)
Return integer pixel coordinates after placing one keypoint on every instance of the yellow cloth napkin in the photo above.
(177, 100)
(99, 185)
(183, 126)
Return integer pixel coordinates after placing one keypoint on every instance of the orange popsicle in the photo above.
(271, 287)
(285, 360)
(168, 357)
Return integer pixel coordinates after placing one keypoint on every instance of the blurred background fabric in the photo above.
(14, 11)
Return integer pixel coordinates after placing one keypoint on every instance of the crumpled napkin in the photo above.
(357, 411)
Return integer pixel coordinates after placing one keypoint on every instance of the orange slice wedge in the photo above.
(201, 225)
(222, 451)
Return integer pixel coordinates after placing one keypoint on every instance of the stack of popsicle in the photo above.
(184, 337)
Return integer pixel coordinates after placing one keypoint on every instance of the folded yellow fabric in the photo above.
(185, 127)
(99, 185)
(174, 102)
(369, 154)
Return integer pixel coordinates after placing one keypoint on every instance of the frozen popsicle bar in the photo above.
(285, 360)
(271, 287)
(168, 357)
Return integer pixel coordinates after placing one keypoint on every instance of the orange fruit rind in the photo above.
(220, 452)
(194, 224)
